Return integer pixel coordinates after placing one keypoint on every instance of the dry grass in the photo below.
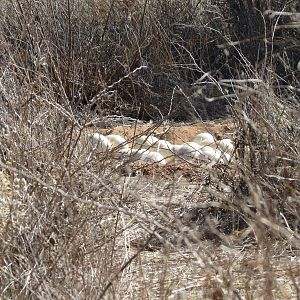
(81, 225)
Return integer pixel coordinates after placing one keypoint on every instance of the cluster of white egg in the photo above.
(151, 149)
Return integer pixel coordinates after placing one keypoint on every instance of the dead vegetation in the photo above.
(76, 225)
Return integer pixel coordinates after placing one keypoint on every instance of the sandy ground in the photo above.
(176, 132)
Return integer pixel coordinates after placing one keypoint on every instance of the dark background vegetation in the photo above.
(85, 47)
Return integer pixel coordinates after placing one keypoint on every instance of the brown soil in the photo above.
(175, 133)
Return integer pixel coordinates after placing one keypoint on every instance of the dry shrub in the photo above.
(144, 58)
(77, 227)
(269, 156)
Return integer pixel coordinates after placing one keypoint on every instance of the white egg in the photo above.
(117, 140)
(145, 142)
(188, 151)
(165, 148)
(211, 154)
(154, 157)
(205, 139)
(99, 142)
(226, 145)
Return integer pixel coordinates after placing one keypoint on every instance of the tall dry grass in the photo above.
(78, 228)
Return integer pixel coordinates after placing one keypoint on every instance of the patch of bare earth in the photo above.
(173, 132)
(211, 272)
(170, 266)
